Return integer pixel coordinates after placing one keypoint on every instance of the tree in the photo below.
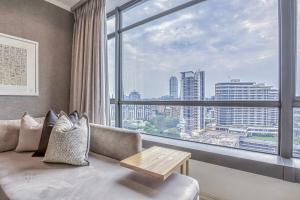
(160, 124)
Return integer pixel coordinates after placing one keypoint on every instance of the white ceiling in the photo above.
(67, 4)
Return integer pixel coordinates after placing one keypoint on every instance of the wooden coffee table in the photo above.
(158, 162)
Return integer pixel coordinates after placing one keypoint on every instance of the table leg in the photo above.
(187, 168)
(182, 169)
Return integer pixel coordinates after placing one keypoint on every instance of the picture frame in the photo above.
(18, 66)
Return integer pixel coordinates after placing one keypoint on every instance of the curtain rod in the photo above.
(78, 4)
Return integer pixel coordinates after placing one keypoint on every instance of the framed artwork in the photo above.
(18, 66)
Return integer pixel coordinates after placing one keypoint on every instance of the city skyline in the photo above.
(168, 96)
(246, 128)
(192, 87)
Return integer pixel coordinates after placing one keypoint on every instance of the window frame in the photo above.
(287, 19)
(296, 100)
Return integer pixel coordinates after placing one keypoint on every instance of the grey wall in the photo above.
(222, 183)
(52, 27)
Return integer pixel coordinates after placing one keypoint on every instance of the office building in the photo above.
(235, 90)
(192, 89)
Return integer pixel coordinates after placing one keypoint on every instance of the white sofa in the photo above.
(23, 177)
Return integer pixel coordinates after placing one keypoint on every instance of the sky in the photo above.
(234, 39)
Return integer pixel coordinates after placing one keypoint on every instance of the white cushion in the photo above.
(9, 134)
(30, 134)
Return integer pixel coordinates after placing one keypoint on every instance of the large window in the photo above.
(229, 47)
(202, 71)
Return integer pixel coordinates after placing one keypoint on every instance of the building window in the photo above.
(202, 71)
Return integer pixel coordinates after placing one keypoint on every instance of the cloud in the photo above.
(225, 38)
(149, 8)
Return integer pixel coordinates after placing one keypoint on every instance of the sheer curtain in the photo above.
(89, 73)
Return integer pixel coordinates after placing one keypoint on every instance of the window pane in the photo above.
(147, 9)
(111, 24)
(297, 132)
(111, 66)
(210, 51)
(253, 129)
(112, 115)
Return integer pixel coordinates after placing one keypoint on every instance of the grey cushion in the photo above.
(115, 143)
(23, 177)
(69, 142)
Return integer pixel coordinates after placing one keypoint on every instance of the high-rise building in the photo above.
(245, 91)
(173, 87)
(192, 89)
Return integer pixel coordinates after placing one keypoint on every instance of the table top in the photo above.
(156, 162)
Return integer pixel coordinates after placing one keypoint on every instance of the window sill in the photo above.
(254, 162)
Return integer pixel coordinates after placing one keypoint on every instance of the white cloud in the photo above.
(224, 38)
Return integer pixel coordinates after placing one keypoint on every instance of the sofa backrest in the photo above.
(115, 143)
(9, 133)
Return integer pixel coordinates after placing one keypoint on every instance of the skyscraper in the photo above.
(192, 89)
(245, 91)
(173, 87)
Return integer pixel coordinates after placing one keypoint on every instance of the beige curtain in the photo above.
(89, 73)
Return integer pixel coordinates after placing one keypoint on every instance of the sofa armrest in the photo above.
(115, 143)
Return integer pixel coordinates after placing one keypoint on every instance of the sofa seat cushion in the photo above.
(24, 177)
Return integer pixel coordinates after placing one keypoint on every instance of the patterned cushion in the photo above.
(69, 142)
(30, 134)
